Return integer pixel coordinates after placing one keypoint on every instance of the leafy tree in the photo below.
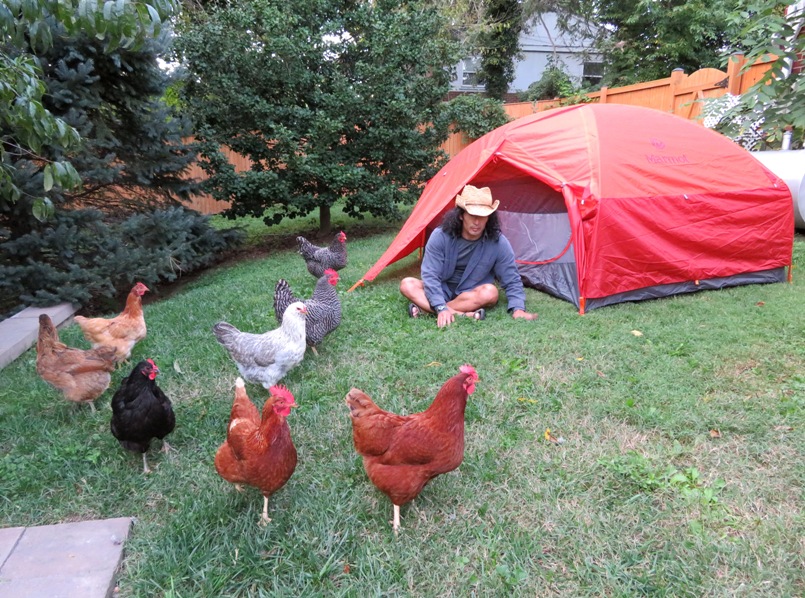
(328, 100)
(777, 101)
(500, 45)
(131, 152)
(474, 115)
(26, 125)
(646, 39)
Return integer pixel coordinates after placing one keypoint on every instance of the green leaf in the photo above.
(42, 209)
(48, 175)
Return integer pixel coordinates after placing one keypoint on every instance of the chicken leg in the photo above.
(396, 523)
(265, 519)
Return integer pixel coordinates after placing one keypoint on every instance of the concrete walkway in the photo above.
(68, 560)
(19, 332)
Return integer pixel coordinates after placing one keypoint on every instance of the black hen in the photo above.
(319, 259)
(141, 411)
(323, 307)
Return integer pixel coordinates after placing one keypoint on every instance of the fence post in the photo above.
(602, 99)
(734, 76)
(677, 76)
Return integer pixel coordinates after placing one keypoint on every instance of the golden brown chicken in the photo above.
(258, 451)
(403, 453)
(121, 332)
(81, 375)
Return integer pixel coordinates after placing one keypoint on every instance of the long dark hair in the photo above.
(452, 224)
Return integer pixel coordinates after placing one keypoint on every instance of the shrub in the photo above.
(474, 115)
(81, 258)
(554, 83)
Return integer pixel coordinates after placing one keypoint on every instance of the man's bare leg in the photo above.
(414, 290)
(469, 302)
(466, 303)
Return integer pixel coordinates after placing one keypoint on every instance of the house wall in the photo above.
(543, 41)
(538, 43)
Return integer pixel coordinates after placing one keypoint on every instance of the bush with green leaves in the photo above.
(554, 83)
(82, 258)
(474, 115)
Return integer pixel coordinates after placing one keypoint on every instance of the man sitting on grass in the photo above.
(463, 257)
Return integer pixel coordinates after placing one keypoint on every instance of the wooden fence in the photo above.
(679, 94)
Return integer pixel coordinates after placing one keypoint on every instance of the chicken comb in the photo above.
(468, 369)
(280, 391)
(331, 274)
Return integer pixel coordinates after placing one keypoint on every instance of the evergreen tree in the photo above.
(328, 99)
(131, 154)
(25, 125)
(500, 45)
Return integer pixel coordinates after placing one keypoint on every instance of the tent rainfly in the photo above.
(605, 203)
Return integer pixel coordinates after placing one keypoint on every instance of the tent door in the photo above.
(534, 219)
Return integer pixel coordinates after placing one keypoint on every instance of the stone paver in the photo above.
(67, 560)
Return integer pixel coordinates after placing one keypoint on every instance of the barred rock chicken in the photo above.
(403, 453)
(318, 259)
(141, 411)
(121, 332)
(81, 375)
(266, 358)
(323, 307)
(258, 451)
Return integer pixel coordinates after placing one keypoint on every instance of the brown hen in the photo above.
(258, 451)
(403, 453)
(121, 332)
(81, 375)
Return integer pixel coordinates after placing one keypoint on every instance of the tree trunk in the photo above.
(325, 223)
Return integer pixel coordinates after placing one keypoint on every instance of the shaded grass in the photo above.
(714, 386)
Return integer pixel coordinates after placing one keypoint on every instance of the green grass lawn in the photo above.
(681, 471)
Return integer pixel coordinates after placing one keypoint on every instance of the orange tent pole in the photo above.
(354, 286)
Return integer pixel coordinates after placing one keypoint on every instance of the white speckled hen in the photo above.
(266, 358)
(319, 259)
(323, 307)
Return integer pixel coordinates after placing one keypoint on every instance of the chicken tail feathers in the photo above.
(225, 333)
(306, 248)
(283, 297)
(359, 403)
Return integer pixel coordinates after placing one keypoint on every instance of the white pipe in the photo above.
(789, 166)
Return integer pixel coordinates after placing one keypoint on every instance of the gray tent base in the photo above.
(559, 280)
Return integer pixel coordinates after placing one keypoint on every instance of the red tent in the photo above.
(606, 203)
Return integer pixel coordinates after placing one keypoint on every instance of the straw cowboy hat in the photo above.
(475, 201)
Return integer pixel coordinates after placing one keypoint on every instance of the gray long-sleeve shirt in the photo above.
(490, 260)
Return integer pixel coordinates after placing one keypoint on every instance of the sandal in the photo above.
(413, 310)
(478, 314)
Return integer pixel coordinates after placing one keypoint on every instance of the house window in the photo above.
(593, 72)
(470, 68)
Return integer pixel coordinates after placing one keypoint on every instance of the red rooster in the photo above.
(403, 453)
(258, 451)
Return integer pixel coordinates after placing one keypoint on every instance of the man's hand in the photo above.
(445, 317)
(520, 313)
